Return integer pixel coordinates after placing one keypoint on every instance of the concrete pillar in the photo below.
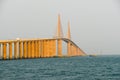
(29, 46)
(68, 49)
(72, 50)
(33, 49)
(47, 48)
(0, 52)
(42, 48)
(44, 51)
(55, 49)
(25, 50)
(30, 49)
(4, 51)
(39, 48)
(10, 50)
(77, 51)
(59, 42)
(50, 48)
(20, 50)
(15, 50)
(36, 49)
(47, 54)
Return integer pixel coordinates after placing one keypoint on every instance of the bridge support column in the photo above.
(32, 49)
(78, 51)
(40, 48)
(43, 46)
(50, 48)
(47, 50)
(73, 52)
(59, 42)
(10, 50)
(68, 49)
(20, 50)
(28, 49)
(0, 52)
(15, 50)
(4, 51)
(54, 48)
(35, 50)
(44, 49)
(25, 50)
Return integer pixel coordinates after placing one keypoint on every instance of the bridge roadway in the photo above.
(37, 48)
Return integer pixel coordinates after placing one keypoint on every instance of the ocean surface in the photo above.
(74, 68)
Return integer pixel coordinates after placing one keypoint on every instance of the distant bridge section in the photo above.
(41, 47)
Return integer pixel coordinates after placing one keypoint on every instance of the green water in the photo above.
(74, 68)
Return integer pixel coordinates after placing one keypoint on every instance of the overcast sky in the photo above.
(95, 24)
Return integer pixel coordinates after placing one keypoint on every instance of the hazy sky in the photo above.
(95, 24)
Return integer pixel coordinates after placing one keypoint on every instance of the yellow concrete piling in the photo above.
(68, 49)
(25, 49)
(20, 50)
(39, 45)
(15, 50)
(28, 49)
(59, 42)
(33, 49)
(4, 51)
(0, 52)
(10, 50)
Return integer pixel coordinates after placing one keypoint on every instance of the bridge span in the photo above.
(40, 47)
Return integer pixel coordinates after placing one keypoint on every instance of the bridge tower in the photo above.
(69, 37)
(59, 32)
(58, 36)
(69, 33)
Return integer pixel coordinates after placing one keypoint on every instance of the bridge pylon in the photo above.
(68, 32)
(59, 32)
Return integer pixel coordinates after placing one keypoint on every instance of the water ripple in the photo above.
(75, 68)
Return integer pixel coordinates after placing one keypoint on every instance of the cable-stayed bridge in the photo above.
(40, 47)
